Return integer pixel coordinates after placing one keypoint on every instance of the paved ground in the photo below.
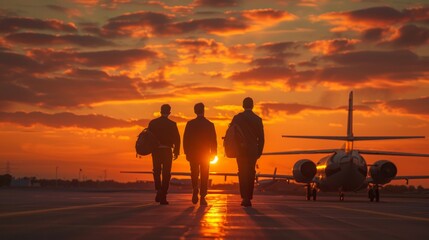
(37, 214)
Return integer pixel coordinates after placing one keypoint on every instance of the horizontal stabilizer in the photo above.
(303, 152)
(373, 152)
(342, 138)
(368, 138)
(351, 138)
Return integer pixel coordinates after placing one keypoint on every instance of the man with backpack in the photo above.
(200, 146)
(252, 129)
(165, 130)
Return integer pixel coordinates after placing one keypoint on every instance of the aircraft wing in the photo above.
(406, 178)
(150, 172)
(373, 152)
(410, 177)
(275, 176)
(302, 152)
(183, 173)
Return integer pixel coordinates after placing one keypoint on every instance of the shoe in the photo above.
(203, 201)
(163, 199)
(195, 198)
(158, 197)
(246, 203)
(163, 202)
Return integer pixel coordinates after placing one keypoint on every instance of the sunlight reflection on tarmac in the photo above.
(134, 215)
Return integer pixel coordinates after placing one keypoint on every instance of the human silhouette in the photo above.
(165, 130)
(253, 131)
(200, 146)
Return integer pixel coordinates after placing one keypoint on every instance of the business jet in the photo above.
(345, 169)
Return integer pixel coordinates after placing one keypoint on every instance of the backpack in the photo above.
(146, 142)
(234, 141)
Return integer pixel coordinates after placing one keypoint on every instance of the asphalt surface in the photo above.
(41, 214)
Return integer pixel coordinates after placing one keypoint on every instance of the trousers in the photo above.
(162, 159)
(246, 175)
(200, 166)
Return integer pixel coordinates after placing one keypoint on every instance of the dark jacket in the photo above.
(199, 139)
(167, 133)
(253, 131)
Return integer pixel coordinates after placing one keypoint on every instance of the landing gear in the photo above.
(308, 195)
(341, 196)
(371, 194)
(377, 194)
(374, 193)
(311, 193)
(314, 193)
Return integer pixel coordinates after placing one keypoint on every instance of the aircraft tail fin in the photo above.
(350, 117)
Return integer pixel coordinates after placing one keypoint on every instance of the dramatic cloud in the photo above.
(13, 24)
(357, 69)
(409, 36)
(217, 3)
(268, 109)
(67, 119)
(147, 24)
(373, 17)
(203, 50)
(279, 47)
(332, 46)
(107, 4)
(418, 106)
(49, 39)
(107, 58)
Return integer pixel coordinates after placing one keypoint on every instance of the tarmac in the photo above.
(49, 214)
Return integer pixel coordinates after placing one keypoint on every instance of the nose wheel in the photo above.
(311, 193)
(341, 196)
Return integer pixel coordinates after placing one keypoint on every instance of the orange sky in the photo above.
(79, 79)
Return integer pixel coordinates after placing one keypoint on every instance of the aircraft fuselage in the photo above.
(341, 171)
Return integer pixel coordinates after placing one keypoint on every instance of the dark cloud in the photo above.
(67, 119)
(108, 58)
(268, 61)
(346, 69)
(374, 17)
(332, 46)
(13, 24)
(52, 40)
(217, 3)
(418, 106)
(147, 23)
(13, 62)
(264, 75)
(373, 34)
(288, 108)
(410, 36)
(279, 47)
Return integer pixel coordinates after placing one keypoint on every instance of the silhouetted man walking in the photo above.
(167, 133)
(253, 131)
(200, 145)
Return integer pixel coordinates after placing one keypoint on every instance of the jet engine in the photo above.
(304, 171)
(382, 171)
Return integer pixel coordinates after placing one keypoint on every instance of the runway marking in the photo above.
(21, 213)
(384, 214)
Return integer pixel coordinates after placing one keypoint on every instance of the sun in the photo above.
(214, 161)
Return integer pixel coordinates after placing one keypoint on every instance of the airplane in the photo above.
(345, 169)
